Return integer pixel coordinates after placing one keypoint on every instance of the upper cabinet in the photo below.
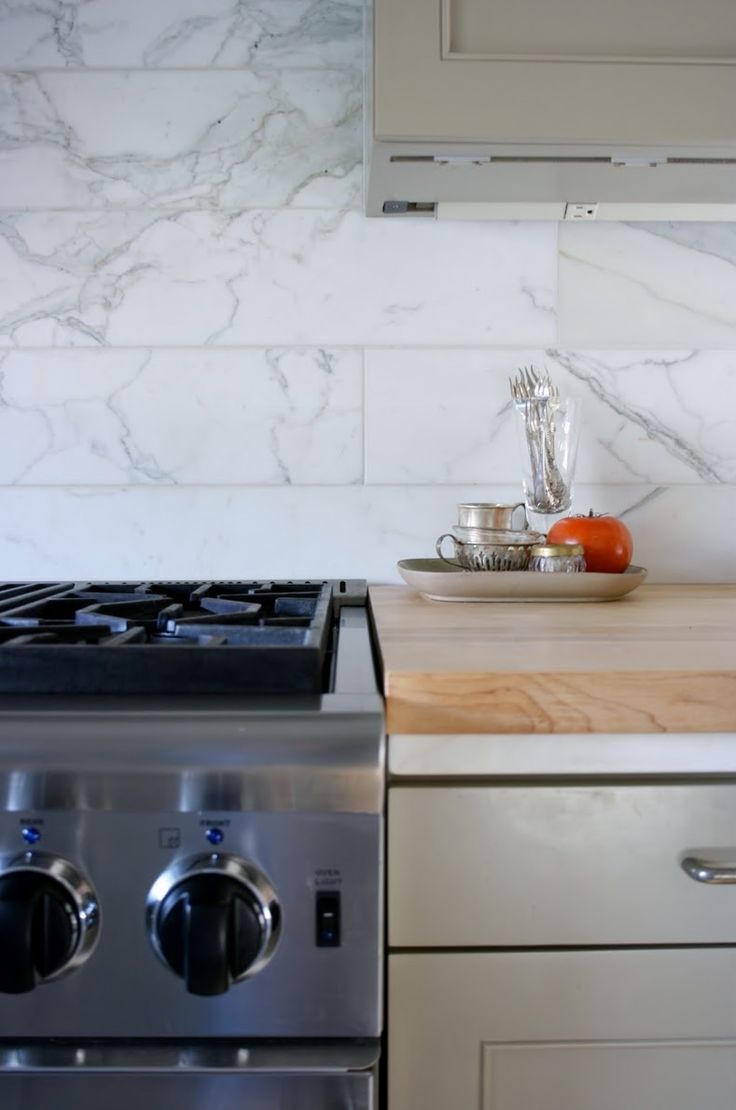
(554, 95)
(630, 72)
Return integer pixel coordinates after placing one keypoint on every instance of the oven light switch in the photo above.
(328, 919)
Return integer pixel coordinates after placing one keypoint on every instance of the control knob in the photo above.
(49, 921)
(214, 921)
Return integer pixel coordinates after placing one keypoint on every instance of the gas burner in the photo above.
(258, 637)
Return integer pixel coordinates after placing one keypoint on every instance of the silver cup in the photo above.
(485, 514)
(500, 555)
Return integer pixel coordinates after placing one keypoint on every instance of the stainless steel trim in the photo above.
(707, 871)
(183, 757)
(338, 1076)
(217, 863)
(313, 1057)
(355, 672)
(80, 891)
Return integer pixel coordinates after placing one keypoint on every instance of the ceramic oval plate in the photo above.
(438, 581)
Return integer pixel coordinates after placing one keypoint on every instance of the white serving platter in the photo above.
(438, 581)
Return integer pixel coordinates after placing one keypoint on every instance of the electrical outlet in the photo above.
(581, 211)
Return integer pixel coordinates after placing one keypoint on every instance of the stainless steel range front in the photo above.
(191, 829)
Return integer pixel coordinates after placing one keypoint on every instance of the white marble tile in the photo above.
(318, 532)
(236, 139)
(281, 278)
(441, 416)
(655, 417)
(647, 284)
(105, 417)
(179, 32)
(686, 534)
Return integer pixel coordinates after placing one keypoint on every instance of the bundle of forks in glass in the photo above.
(538, 400)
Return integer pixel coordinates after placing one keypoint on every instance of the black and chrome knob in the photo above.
(49, 921)
(214, 921)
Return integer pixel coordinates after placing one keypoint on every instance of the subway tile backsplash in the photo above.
(275, 277)
(211, 363)
(213, 417)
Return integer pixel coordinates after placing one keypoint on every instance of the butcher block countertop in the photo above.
(662, 659)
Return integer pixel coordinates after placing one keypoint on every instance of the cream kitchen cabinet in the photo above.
(551, 109)
(563, 1030)
(547, 949)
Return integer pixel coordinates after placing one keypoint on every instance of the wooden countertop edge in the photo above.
(561, 702)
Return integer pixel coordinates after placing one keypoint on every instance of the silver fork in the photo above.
(537, 398)
(531, 386)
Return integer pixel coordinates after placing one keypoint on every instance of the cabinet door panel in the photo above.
(608, 1076)
(460, 71)
(629, 29)
(615, 1030)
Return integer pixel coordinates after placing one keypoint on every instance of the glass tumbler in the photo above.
(548, 433)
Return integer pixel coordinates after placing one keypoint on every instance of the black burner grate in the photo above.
(166, 637)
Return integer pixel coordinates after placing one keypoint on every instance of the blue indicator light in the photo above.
(31, 835)
(215, 836)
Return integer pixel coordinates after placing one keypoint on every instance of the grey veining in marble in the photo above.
(179, 32)
(653, 285)
(656, 417)
(259, 137)
(283, 278)
(678, 403)
(105, 417)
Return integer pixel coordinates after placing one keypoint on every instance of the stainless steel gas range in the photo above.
(191, 846)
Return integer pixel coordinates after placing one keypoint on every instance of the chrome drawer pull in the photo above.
(704, 871)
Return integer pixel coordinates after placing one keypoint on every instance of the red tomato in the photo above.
(607, 541)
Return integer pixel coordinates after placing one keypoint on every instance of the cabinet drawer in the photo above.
(525, 866)
(623, 1030)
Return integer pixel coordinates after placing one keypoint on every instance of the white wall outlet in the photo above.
(580, 211)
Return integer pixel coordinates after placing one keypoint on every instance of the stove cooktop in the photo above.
(256, 637)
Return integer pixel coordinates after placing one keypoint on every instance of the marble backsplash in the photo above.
(212, 364)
